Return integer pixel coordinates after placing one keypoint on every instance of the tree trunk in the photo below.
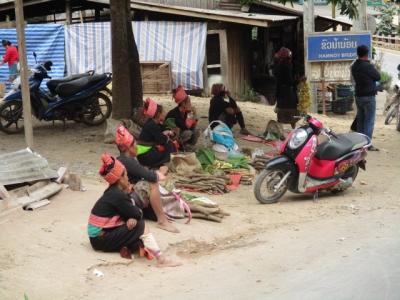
(127, 81)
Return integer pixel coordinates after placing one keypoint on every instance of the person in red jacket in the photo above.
(11, 57)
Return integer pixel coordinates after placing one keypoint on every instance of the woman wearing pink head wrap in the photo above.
(185, 119)
(115, 223)
(155, 143)
(146, 188)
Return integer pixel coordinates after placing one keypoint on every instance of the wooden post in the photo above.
(68, 12)
(26, 97)
(223, 52)
(323, 88)
(333, 3)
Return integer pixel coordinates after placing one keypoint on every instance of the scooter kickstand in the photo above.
(316, 196)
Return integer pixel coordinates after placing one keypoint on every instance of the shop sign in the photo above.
(336, 47)
(335, 71)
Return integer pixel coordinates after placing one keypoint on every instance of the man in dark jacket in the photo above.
(365, 76)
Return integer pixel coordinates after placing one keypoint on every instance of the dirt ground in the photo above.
(343, 246)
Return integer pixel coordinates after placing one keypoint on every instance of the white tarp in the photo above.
(88, 47)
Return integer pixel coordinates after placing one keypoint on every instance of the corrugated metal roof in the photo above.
(24, 166)
(255, 19)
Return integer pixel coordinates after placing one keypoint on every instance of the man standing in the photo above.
(365, 76)
(11, 57)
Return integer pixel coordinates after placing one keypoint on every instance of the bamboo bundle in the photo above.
(214, 214)
(259, 162)
(204, 183)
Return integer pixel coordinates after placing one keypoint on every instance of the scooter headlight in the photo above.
(298, 138)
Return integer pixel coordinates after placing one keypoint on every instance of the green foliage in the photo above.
(385, 26)
(386, 78)
(26, 297)
(249, 95)
(346, 7)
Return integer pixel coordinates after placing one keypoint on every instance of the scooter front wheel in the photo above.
(11, 117)
(269, 187)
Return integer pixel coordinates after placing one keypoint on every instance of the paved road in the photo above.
(391, 59)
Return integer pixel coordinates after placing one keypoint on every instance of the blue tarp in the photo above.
(47, 40)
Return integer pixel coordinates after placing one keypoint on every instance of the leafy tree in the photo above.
(346, 7)
(385, 26)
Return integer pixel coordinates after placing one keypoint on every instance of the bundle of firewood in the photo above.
(246, 179)
(259, 162)
(204, 183)
(207, 211)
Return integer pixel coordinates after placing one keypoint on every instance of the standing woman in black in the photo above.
(286, 91)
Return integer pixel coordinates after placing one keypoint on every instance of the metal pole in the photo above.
(323, 88)
(308, 27)
(26, 98)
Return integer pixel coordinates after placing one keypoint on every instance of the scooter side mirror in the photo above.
(35, 56)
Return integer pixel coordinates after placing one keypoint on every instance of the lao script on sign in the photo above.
(333, 71)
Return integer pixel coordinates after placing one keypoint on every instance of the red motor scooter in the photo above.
(307, 166)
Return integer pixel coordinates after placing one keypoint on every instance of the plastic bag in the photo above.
(221, 134)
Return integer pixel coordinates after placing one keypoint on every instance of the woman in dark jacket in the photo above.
(225, 111)
(155, 143)
(115, 223)
(286, 92)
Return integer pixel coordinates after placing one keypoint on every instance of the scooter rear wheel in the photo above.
(265, 186)
(11, 117)
(398, 118)
(97, 110)
(391, 114)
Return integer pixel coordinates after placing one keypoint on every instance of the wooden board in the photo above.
(156, 77)
(333, 71)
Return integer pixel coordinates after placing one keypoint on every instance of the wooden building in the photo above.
(240, 44)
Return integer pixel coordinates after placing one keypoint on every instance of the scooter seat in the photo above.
(343, 144)
(53, 83)
(75, 86)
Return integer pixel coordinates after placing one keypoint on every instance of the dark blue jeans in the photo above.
(366, 108)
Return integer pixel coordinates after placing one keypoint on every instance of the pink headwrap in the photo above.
(180, 95)
(112, 169)
(150, 108)
(123, 138)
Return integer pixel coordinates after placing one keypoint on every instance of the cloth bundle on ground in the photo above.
(112, 125)
(174, 205)
(204, 208)
(185, 164)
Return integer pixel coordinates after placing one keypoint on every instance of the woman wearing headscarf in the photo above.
(286, 93)
(115, 223)
(224, 108)
(184, 117)
(146, 182)
(155, 143)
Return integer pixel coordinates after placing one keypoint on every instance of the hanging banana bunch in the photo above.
(304, 97)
